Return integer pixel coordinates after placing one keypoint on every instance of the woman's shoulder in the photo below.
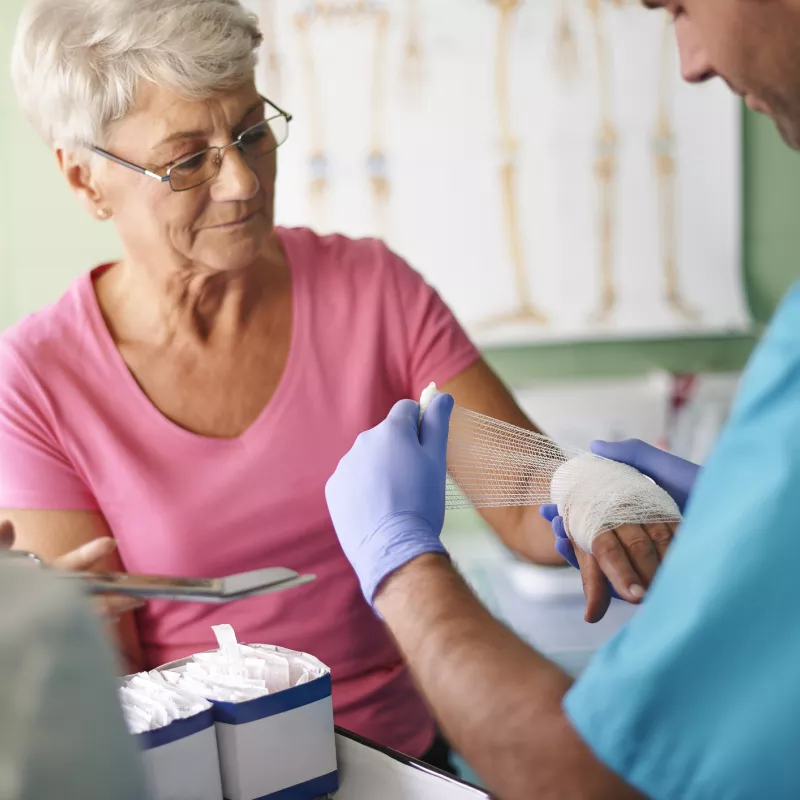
(53, 333)
(338, 251)
(361, 265)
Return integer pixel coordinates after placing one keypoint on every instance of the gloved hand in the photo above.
(387, 496)
(675, 475)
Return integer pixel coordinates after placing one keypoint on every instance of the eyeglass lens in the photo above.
(255, 142)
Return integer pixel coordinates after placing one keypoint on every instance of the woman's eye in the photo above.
(253, 137)
(192, 163)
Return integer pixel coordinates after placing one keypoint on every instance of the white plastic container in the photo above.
(281, 745)
(181, 760)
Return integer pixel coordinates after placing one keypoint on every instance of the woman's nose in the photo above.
(236, 180)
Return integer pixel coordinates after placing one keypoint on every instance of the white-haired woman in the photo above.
(191, 399)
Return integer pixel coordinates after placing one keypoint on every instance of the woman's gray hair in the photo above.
(77, 64)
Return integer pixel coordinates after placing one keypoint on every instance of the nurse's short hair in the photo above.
(76, 64)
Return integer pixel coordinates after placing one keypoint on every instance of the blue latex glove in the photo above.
(387, 496)
(675, 475)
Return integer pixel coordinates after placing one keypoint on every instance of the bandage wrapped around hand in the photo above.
(495, 464)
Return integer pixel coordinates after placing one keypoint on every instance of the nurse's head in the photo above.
(752, 45)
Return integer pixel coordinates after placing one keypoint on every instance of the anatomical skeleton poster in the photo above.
(540, 162)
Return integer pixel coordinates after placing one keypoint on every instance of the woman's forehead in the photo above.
(161, 116)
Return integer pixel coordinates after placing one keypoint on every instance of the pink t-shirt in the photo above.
(76, 432)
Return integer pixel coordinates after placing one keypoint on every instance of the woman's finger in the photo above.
(641, 551)
(661, 535)
(613, 561)
(6, 535)
(595, 587)
(86, 556)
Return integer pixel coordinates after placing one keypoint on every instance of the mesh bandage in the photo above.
(494, 464)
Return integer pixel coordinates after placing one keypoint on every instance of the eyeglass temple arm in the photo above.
(129, 164)
(277, 108)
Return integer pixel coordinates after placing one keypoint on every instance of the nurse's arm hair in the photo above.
(498, 701)
(521, 528)
(53, 534)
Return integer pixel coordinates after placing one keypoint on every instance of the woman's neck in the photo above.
(190, 305)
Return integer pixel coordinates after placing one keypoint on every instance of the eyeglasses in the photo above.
(257, 141)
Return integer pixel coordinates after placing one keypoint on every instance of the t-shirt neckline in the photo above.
(149, 411)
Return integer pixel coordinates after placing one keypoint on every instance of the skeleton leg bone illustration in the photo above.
(566, 46)
(413, 70)
(605, 166)
(665, 168)
(525, 310)
(376, 161)
(270, 61)
(318, 159)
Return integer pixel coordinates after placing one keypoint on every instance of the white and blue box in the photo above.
(181, 760)
(281, 746)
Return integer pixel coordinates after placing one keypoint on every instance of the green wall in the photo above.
(46, 239)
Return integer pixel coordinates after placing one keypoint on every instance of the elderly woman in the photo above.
(191, 399)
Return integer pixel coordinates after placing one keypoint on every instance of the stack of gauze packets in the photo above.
(261, 715)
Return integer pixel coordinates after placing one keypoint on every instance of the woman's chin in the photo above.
(236, 256)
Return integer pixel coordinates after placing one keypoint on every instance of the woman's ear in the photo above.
(77, 168)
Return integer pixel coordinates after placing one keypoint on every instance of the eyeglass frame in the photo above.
(235, 143)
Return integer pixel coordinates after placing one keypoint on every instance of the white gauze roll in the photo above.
(493, 464)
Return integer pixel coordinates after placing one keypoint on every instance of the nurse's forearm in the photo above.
(497, 700)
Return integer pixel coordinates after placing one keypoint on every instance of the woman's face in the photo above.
(218, 226)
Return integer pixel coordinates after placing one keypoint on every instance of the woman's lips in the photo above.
(238, 223)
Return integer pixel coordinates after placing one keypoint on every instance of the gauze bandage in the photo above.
(149, 702)
(495, 464)
(237, 672)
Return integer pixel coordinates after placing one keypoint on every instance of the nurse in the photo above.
(699, 696)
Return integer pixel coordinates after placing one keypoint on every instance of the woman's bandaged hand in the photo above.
(624, 561)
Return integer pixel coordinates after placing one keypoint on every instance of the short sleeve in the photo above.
(438, 347)
(699, 696)
(35, 472)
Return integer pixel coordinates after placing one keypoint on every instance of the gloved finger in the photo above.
(649, 460)
(627, 451)
(613, 561)
(87, 556)
(549, 511)
(595, 587)
(6, 535)
(661, 535)
(559, 529)
(565, 549)
(405, 411)
(436, 426)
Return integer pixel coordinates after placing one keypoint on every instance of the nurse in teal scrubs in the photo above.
(698, 698)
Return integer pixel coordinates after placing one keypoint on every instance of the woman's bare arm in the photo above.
(54, 536)
(521, 528)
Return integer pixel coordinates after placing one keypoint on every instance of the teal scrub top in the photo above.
(699, 696)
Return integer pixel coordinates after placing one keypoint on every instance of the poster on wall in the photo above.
(540, 162)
